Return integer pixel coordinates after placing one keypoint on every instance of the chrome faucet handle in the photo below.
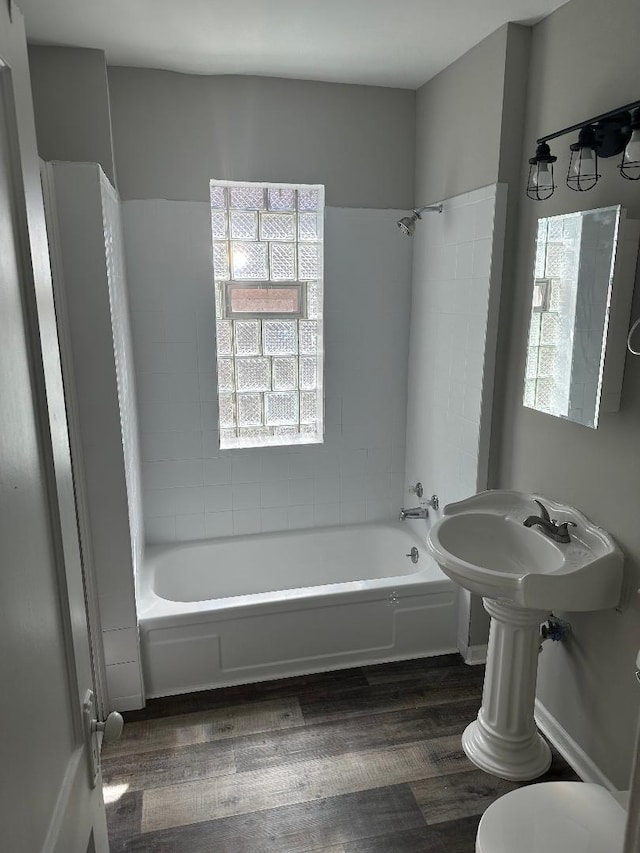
(417, 490)
(543, 510)
(566, 524)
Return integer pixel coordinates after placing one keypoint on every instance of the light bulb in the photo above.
(540, 183)
(583, 163)
(542, 177)
(632, 151)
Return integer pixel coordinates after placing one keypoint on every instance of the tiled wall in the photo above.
(457, 272)
(120, 634)
(194, 490)
(457, 269)
(123, 357)
(89, 248)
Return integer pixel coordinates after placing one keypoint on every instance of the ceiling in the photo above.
(401, 43)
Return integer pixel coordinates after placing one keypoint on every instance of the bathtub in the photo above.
(232, 611)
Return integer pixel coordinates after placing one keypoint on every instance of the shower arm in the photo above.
(432, 208)
(407, 224)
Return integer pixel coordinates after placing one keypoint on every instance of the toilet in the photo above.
(554, 817)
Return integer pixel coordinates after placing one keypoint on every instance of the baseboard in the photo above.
(473, 655)
(572, 753)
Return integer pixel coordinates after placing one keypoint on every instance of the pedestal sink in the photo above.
(522, 574)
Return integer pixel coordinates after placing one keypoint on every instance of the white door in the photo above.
(47, 799)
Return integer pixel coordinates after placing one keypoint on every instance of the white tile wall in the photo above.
(120, 646)
(123, 356)
(124, 681)
(191, 488)
(457, 268)
(87, 211)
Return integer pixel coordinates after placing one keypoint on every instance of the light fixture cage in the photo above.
(630, 169)
(534, 190)
(583, 174)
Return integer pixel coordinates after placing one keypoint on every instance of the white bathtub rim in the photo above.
(154, 611)
(152, 607)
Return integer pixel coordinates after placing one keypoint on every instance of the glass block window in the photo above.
(268, 284)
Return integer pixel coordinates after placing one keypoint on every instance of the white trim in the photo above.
(572, 753)
(474, 655)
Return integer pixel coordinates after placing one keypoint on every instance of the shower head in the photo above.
(408, 223)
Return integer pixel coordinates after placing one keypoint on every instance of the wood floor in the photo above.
(363, 760)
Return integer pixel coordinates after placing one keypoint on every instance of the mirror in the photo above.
(572, 287)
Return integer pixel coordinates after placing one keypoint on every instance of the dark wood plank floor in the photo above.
(363, 760)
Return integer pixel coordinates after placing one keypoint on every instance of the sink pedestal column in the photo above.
(504, 740)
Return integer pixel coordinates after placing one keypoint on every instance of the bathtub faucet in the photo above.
(414, 512)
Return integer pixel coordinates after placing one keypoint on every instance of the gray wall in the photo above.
(71, 104)
(173, 132)
(583, 62)
(469, 118)
(458, 123)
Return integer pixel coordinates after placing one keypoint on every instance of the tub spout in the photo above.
(414, 512)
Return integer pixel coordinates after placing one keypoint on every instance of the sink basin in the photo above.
(482, 544)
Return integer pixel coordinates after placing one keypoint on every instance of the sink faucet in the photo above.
(549, 526)
(414, 512)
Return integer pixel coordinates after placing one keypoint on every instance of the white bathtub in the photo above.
(232, 611)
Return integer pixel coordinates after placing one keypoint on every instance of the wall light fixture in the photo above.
(607, 135)
(583, 162)
(630, 164)
(540, 184)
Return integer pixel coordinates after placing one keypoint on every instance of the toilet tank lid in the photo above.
(575, 817)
